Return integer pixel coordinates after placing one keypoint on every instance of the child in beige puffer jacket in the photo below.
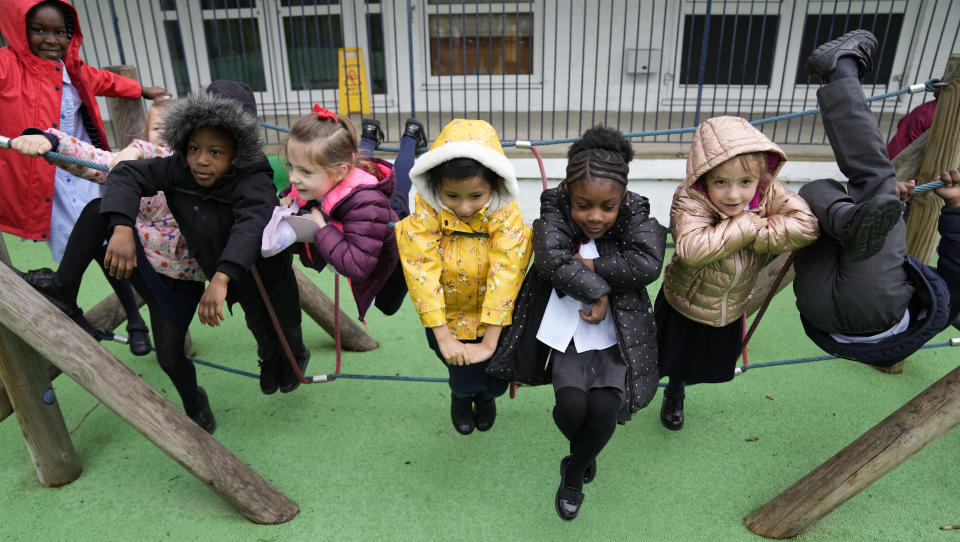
(727, 216)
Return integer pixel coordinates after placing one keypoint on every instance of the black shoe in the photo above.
(47, 282)
(204, 417)
(671, 411)
(485, 413)
(859, 44)
(413, 128)
(588, 475)
(268, 376)
(371, 130)
(289, 380)
(567, 500)
(138, 339)
(461, 414)
(865, 232)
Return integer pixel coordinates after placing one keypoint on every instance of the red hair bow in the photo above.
(324, 113)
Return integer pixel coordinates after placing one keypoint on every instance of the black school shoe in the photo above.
(269, 371)
(588, 475)
(671, 411)
(461, 414)
(866, 230)
(568, 500)
(370, 129)
(46, 281)
(204, 417)
(485, 413)
(859, 44)
(413, 128)
(289, 380)
(138, 339)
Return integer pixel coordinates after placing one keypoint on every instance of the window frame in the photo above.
(510, 81)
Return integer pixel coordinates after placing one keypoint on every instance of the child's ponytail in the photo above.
(602, 153)
(334, 140)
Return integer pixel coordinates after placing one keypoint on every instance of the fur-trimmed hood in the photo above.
(211, 107)
(463, 138)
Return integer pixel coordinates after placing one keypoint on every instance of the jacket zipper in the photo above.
(733, 283)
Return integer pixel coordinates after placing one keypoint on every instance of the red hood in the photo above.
(13, 26)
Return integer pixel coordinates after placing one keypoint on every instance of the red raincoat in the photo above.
(30, 95)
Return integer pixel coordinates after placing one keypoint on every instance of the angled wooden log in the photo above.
(929, 415)
(49, 332)
(321, 309)
(38, 413)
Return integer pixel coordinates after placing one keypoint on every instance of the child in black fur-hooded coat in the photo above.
(221, 217)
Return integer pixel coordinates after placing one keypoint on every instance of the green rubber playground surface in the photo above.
(376, 460)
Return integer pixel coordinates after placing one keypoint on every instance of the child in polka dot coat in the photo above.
(596, 249)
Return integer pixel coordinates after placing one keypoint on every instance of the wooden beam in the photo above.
(49, 332)
(942, 153)
(320, 308)
(127, 115)
(929, 415)
(41, 421)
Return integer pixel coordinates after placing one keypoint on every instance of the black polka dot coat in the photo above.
(631, 257)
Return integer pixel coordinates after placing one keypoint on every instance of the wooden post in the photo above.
(929, 415)
(54, 336)
(41, 421)
(320, 308)
(128, 117)
(942, 154)
(4, 255)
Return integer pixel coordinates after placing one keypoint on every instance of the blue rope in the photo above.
(108, 335)
(929, 85)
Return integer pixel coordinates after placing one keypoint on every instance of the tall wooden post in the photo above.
(53, 336)
(321, 309)
(929, 415)
(942, 154)
(128, 117)
(41, 421)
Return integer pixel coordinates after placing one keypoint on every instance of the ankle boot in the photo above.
(288, 379)
(413, 128)
(204, 417)
(461, 414)
(269, 370)
(486, 413)
(671, 411)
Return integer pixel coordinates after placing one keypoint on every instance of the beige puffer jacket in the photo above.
(717, 258)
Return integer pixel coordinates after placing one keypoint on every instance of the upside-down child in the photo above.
(727, 217)
(596, 249)
(219, 187)
(464, 251)
(348, 197)
(45, 84)
(860, 295)
(165, 275)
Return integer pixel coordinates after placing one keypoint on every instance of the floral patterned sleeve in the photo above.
(509, 252)
(71, 146)
(418, 238)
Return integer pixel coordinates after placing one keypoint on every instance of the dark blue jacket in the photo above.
(930, 309)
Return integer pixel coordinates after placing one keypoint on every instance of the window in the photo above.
(740, 49)
(312, 44)
(466, 39)
(819, 28)
(178, 57)
(234, 48)
(315, 30)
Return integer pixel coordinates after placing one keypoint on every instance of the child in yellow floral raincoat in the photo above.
(464, 251)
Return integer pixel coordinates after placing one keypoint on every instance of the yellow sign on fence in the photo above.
(354, 92)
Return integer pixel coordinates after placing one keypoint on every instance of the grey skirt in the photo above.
(588, 370)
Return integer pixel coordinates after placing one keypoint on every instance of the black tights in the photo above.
(84, 246)
(169, 341)
(588, 421)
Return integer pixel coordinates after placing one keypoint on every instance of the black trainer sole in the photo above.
(871, 233)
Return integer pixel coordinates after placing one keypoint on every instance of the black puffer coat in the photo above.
(631, 257)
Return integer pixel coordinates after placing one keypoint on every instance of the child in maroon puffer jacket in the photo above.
(347, 197)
